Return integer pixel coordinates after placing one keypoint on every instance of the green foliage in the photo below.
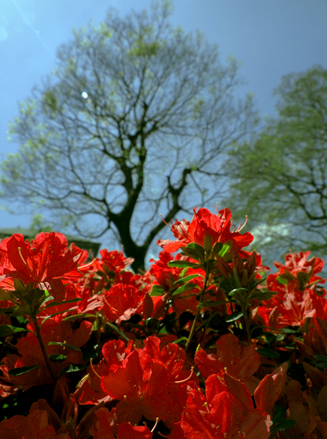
(141, 48)
(50, 102)
(38, 225)
(279, 178)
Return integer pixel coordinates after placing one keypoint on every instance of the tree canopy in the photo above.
(134, 122)
(280, 177)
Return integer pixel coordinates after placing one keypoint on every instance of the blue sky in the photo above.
(270, 38)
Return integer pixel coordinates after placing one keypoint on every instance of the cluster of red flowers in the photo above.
(199, 346)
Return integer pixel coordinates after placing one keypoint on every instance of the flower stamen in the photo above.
(184, 380)
(91, 364)
(22, 258)
(153, 428)
(164, 221)
(241, 227)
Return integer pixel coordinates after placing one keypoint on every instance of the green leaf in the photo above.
(65, 345)
(5, 295)
(157, 290)
(47, 299)
(117, 331)
(270, 337)
(76, 299)
(237, 279)
(288, 330)
(284, 425)
(262, 295)
(217, 248)
(52, 315)
(186, 287)
(57, 358)
(268, 353)
(210, 304)
(151, 322)
(195, 251)
(279, 414)
(22, 370)
(19, 287)
(6, 330)
(207, 244)
(180, 340)
(163, 331)
(321, 358)
(281, 280)
(237, 290)
(82, 315)
(303, 278)
(33, 296)
(225, 249)
(187, 278)
(321, 366)
(8, 310)
(73, 368)
(182, 264)
(234, 316)
(23, 310)
(238, 296)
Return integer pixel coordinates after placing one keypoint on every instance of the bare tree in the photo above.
(134, 122)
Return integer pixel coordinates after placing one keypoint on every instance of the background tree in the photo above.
(38, 225)
(134, 122)
(280, 178)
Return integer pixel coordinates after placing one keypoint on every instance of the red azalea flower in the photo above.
(109, 267)
(140, 385)
(297, 307)
(270, 388)
(90, 390)
(266, 316)
(296, 262)
(149, 383)
(127, 431)
(114, 260)
(295, 283)
(205, 223)
(291, 306)
(102, 274)
(239, 361)
(299, 272)
(43, 261)
(171, 356)
(106, 427)
(34, 426)
(227, 412)
(122, 301)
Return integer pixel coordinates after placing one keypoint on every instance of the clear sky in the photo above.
(270, 37)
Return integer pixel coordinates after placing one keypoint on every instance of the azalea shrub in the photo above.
(205, 344)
